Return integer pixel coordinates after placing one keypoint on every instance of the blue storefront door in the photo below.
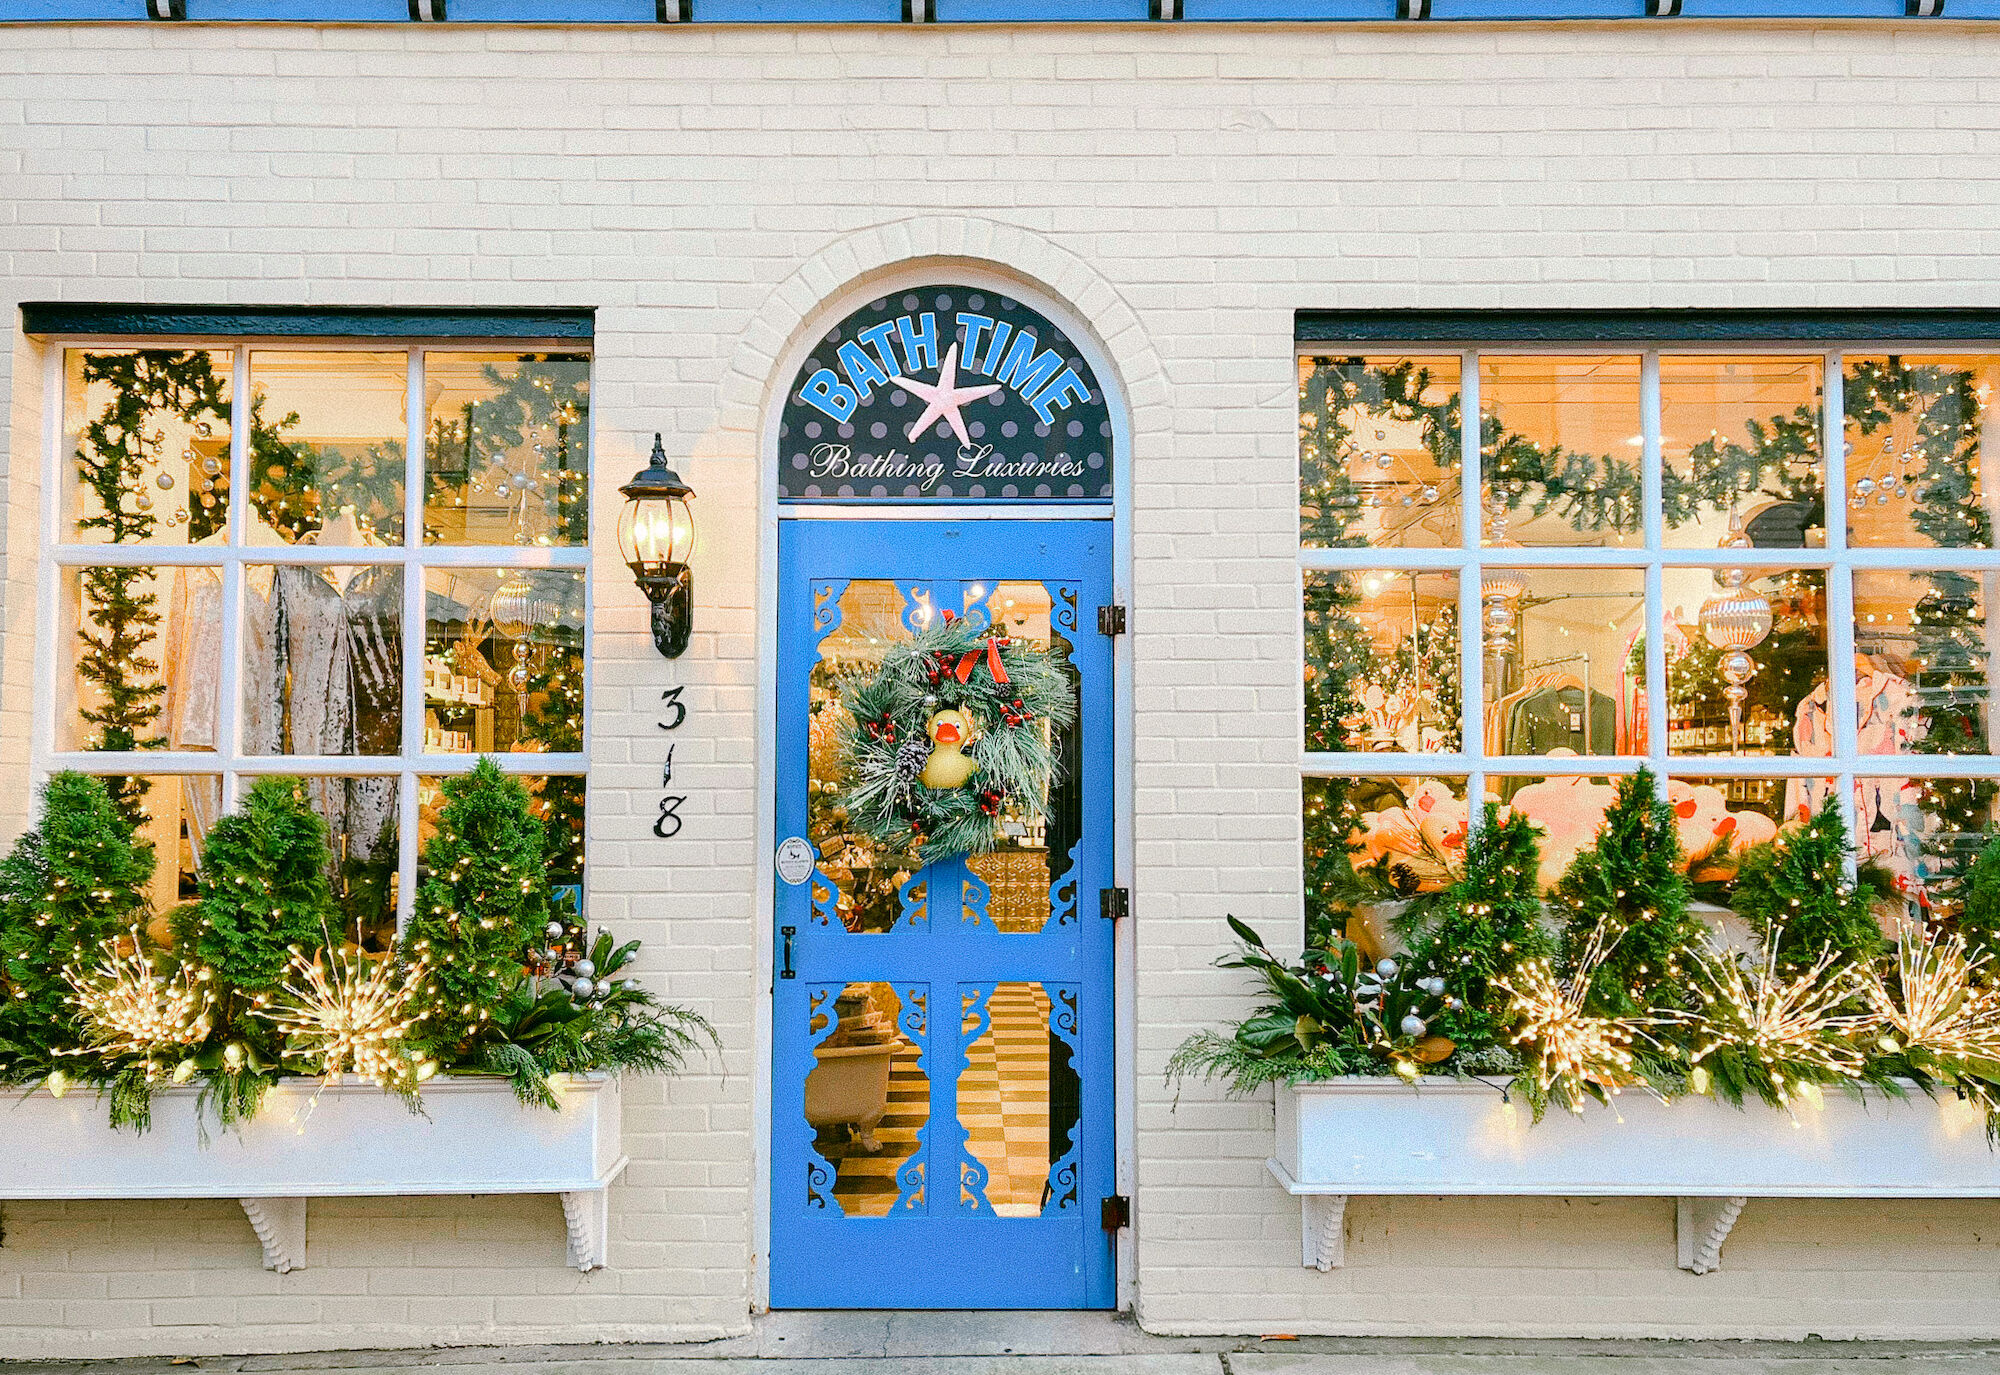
(942, 1091)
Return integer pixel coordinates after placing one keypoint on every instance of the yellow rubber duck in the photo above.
(949, 766)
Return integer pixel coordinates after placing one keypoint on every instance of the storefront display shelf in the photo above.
(1363, 1137)
(316, 1140)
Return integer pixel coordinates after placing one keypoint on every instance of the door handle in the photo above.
(786, 971)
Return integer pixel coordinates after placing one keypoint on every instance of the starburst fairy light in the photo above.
(1789, 1025)
(1942, 1004)
(1575, 1054)
(352, 1015)
(129, 1005)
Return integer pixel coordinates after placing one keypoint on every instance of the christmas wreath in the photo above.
(958, 724)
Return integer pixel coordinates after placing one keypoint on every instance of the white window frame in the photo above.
(59, 557)
(1837, 561)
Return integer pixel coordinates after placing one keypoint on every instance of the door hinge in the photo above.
(1111, 620)
(1114, 904)
(1115, 1212)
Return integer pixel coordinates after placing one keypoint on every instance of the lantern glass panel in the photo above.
(656, 533)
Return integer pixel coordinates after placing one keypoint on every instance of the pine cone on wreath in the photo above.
(910, 761)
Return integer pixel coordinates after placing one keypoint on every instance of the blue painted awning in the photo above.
(975, 11)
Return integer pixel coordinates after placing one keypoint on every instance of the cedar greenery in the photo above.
(1979, 913)
(542, 1030)
(72, 882)
(483, 902)
(1633, 884)
(1329, 1014)
(1484, 925)
(1794, 892)
(1739, 1026)
(264, 889)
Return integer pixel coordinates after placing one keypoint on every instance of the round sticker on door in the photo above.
(795, 860)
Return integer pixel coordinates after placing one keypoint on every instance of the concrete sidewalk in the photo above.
(1083, 1344)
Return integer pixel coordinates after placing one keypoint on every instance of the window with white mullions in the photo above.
(248, 573)
(1762, 572)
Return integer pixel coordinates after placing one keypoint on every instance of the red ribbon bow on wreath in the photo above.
(970, 660)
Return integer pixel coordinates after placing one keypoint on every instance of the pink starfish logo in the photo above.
(944, 399)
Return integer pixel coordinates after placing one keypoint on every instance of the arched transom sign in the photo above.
(945, 394)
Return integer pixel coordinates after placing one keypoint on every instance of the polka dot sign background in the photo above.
(1008, 451)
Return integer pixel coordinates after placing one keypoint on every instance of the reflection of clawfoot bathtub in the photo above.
(849, 1087)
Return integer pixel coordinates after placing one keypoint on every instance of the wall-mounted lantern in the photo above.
(656, 538)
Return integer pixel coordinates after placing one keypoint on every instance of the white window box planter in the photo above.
(313, 1140)
(1360, 1136)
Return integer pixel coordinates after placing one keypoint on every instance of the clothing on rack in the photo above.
(1552, 718)
(1890, 821)
(1552, 711)
(192, 707)
(374, 602)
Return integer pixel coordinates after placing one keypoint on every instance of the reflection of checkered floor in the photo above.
(1003, 1102)
(1003, 1099)
(864, 1184)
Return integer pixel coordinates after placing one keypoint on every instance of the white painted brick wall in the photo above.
(1188, 188)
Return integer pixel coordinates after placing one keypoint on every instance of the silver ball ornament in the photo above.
(1387, 968)
(582, 989)
(584, 969)
(553, 930)
(1413, 1025)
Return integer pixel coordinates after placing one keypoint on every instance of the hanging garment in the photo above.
(193, 704)
(1552, 718)
(374, 603)
(318, 691)
(317, 686)
(1889, 821)
(1499, 713)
